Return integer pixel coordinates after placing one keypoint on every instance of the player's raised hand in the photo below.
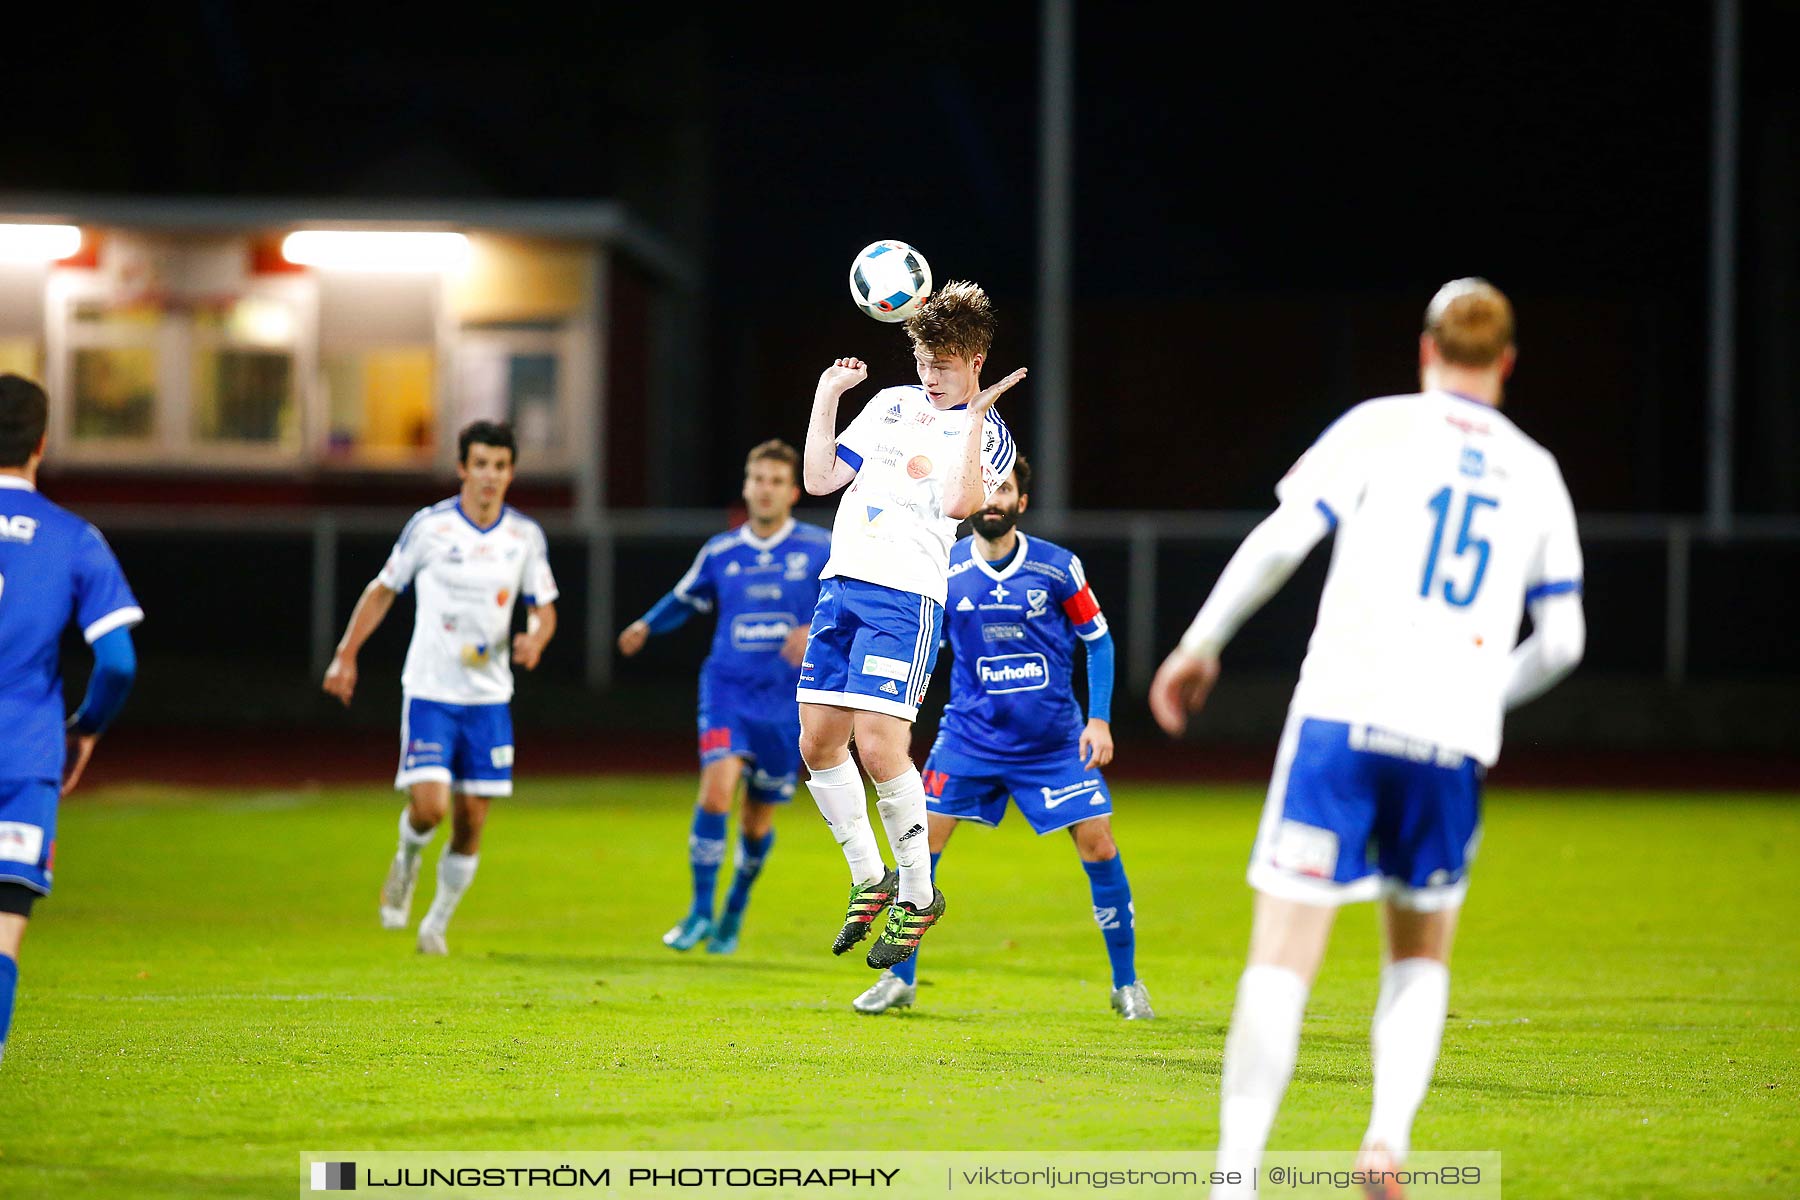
(985, 399)
(1096, 747)
(80, 748)
(793, 650)
(843, 375)
(526, 651)
(1181, 686)
(633, 637)
(340, 679)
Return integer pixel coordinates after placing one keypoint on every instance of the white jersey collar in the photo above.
(770, 542)
(1011, 568)
(16, 483)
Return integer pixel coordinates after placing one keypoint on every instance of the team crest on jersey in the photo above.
(1039, 599)
(797, 563)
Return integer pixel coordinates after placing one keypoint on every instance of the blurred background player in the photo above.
(471, 558)
(54, 568)
(764, 578)
(1450, 522)
(1015, 608)
(918, 459)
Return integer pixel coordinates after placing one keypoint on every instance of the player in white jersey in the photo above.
(1450, 524)
(917, 460)
(468, 559)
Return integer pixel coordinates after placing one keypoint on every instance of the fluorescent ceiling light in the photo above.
(38, 243)
(347, 250)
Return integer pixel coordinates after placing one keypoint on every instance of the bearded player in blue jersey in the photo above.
(54, 568)
(1016, 608)
(763, 577)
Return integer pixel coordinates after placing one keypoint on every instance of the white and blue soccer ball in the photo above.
(889, 280)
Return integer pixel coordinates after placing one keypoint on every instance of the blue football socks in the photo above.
(706, 850)
(9, 985)
(1113, 913)
(751, 852)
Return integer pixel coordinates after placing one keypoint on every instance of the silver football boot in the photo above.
(397, 891)
(888, 991)
(1131, 1002)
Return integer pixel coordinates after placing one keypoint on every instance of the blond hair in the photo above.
(1471, 321)
(956, 319)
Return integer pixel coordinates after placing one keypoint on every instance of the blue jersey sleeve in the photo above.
(103, 600)
(698, 589)
(115, 666)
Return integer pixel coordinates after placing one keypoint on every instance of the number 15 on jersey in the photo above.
(1468, 541)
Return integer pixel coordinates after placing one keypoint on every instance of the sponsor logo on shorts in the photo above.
(935, 782)
(891, 688)
(501, 756)
(883, 667)
(1054, 797)
(715, 739)
(1370, 739)
(1306, 849)
(761, 631)
(20, 842)
(1013, 673)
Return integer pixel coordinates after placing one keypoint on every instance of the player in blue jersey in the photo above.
(763, 578)
(468, 560)
(1016, 608)
(54, 568)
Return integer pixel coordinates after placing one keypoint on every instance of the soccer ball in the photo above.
(889, 280)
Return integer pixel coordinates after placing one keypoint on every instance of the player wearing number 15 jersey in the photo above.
(1450, 524)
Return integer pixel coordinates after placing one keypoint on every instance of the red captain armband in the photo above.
(1082, 607)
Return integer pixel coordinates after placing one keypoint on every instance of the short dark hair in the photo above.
(24, 413)
(773, 450)
(1022, 474)
(489, 433)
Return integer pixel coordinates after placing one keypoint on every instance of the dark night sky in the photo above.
(1341, 164)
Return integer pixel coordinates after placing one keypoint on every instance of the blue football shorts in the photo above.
(870, 647)
(28, 832)
(1355, 813)
(764, 732)
(468, 746)
(1054, 791)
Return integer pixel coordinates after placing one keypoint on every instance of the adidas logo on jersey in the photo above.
(965, 605)
(890, 688)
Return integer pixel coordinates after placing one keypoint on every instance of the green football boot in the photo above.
(866, 902)
(905, 926)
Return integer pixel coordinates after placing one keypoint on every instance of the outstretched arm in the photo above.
(665, 616)
(1265, 561)
(371, 609)
(824, 472)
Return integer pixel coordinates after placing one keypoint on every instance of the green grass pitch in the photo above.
(209, 993)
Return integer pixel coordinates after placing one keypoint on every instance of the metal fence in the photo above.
(1654, 582)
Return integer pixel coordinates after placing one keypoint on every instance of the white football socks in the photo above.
(412, 842)
(1259, 1060)
(838, 791)
(901, 803)
(1405, 1035)
(455, 873)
